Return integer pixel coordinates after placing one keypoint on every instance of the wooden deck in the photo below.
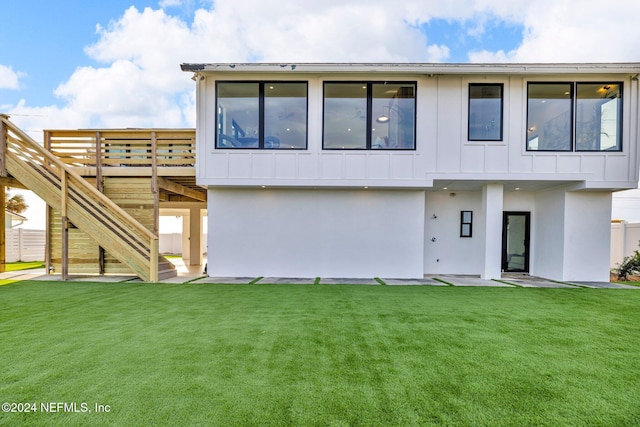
(167, 156)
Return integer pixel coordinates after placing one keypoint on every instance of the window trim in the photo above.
(368, 137)
(261, 115)
(501, 138)
(574, 102)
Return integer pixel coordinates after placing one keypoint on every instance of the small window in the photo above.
(369, 116)
(261, 115)
(485, 112)
(466, 223)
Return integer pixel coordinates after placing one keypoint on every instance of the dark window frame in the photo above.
(501, 138)
(571, 118)
(619, 118)
(370, 119)
(574, 102)
(464, 233)
(261, 115)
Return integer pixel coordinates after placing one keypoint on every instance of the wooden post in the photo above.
(3, 145)
(153, 273)
(99, 160)
(3, 246)
(3, 173)
(154, 183)
(100, 187)
(47, 240)
(49, 216)
(65, 226)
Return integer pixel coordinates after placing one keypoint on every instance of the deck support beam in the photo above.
(100, 187)
(3, 174)
(3, 246)
(173, 187)
(65, 227)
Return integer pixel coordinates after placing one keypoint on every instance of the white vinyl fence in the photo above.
(625, 239)
(24, 245)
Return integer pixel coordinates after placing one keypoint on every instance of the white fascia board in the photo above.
(418, 68)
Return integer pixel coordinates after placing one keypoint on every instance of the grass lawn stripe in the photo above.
(321, 355)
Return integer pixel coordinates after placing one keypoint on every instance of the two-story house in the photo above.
(405, 170)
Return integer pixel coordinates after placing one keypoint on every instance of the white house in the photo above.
(405, 170)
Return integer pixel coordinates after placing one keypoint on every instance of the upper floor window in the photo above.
(261, 115)
(485, 112)
(369, 116)
(588, 113)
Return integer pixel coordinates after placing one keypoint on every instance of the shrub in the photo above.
(629, 265)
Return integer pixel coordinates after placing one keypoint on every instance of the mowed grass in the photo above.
(23, 265)
(310, 355)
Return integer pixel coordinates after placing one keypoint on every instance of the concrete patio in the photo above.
(195, 275)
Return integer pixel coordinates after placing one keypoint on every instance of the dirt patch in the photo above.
(613, 277)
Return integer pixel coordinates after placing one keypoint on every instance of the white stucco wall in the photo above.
(451, 253)
(548, 233)
(587, 236)
(342, 230)
(311, 233)
(573, 235)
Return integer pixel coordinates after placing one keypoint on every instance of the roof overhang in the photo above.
(419, 68)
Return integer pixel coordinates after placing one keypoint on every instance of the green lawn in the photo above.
(320, 355)
(23, 265)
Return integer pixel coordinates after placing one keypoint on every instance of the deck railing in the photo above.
(123, 148)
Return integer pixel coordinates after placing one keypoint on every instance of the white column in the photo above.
(186, 237)
(195, 236)
(492, 207)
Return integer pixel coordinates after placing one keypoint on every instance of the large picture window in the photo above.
(369, 116)
(598, 116)
(271, 115)
(485, 112)
(560, 113)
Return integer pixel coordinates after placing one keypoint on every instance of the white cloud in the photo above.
(170, 3)
(9, 79)
(557, 31)
(140, 82)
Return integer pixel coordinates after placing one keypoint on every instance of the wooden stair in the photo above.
(81, 204)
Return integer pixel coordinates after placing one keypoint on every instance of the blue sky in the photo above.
(116, 63)
(47, 41)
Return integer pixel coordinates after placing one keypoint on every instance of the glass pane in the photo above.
(238, 115)
(598, 108)
(465, 230)
(394, 111)
(516, 242)
(485, 112)
(345, 115)
(466, 217)
(549, 116)
(285, 115)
